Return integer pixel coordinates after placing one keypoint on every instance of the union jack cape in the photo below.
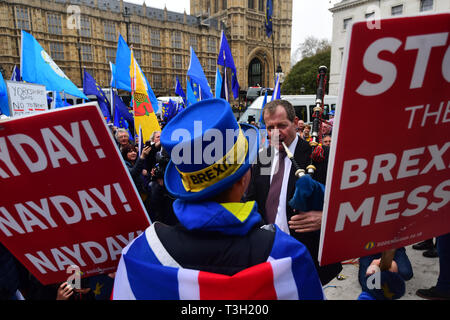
(146, 271)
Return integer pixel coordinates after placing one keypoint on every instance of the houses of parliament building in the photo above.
(160, 38)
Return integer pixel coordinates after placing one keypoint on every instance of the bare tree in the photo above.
(310, 47)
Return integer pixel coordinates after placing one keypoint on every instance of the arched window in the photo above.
(255, 73)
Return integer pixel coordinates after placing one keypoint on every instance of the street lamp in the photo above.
(280, 74)
(80, 59)
(302, 89)
(126, 15)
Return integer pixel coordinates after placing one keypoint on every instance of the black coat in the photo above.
(259, 189)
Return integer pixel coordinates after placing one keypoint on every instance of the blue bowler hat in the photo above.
(209, 150)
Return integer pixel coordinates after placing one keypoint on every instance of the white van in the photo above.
(303, 105)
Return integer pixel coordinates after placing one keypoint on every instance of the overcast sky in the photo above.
(309, 17)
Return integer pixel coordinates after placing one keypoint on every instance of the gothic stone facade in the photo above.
(161, 39)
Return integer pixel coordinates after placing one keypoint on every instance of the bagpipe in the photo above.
(309, 194)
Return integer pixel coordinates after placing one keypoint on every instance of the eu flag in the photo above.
(225, 59)
(190, 96)
(4, 105)
(179, 90)
(198, 79)
(122, 117)
(277, 90)
(122, 108)
(38, 67)
(268, 20)
(90, 86)
(169, 111)
(15, 76)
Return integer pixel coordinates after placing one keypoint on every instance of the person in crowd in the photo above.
(122, 138)
(326, 140)
(273, 182)
(136, 165)
(300, 127)
(306, 133)
(441, 291)
(12, 275)
(217, 233)
(401, 264)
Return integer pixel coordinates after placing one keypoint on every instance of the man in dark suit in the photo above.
(273, 182)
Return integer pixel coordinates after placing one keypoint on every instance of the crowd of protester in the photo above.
(146, 165)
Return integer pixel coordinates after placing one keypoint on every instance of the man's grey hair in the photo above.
(152, 138)
(271, 106)
(121, 130)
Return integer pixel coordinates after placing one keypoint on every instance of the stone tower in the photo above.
(256, 56)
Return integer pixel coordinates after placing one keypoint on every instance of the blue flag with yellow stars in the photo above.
(268, 19)
(225, 59)
(90, 86)
(200, 85)
(122, 117)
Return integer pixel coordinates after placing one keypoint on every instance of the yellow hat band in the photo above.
(198, 180)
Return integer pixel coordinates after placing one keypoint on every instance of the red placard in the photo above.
(67, 197)
(388, 177)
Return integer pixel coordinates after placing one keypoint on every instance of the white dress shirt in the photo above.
(281, 219)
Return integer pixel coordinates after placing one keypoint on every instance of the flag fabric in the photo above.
(225, 58)
(15, 76)
(262, 125)
(4, 105)
(284, 276)
(179, 90)
(65, 102)
(59, 103)
(121, 77)
(90, 87)
(218, 85)
(112, 66)
(224, 92)
(38, 67)
(268, 18)
(147, 271)
(169, 111)
(198, 79)
(140, 142)
(277, 90)
(191, 98)
(144, 116)
(122, 118)
(122, 109)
